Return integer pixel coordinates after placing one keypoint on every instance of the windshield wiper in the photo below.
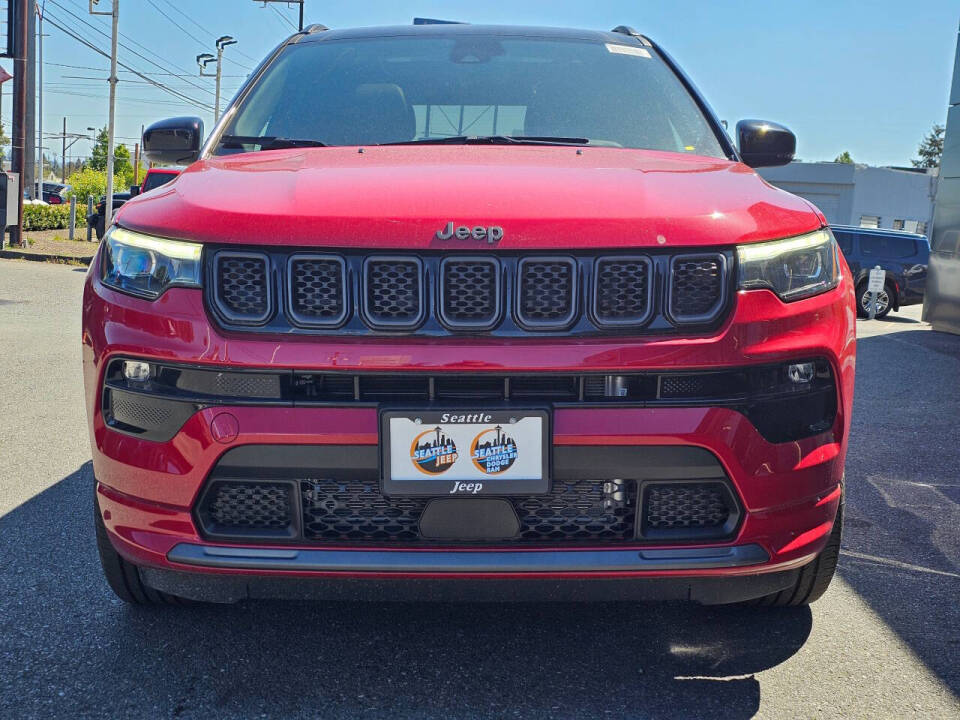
(494, 140)
(267, 142)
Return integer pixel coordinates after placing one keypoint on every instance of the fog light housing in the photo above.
(801, 373)
(136, 370)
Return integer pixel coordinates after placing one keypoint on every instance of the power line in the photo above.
(205, 30)
(283, 17)
(161, 86)
(130, 49)
(203, 43)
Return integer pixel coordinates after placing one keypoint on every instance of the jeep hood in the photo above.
(544, 197)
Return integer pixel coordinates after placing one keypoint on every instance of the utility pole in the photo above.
(40, 11)
(205, 59)
(115, 17)
(63, 155)
(21, 68)
(28, 178)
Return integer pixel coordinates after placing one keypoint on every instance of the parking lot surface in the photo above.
(883, 643)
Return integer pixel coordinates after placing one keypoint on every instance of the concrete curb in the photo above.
(44, 257)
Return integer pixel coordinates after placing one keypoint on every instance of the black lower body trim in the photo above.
(466, 561)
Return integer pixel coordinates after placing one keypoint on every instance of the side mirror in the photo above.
(134, 190)
(175, 141)
(765, 144)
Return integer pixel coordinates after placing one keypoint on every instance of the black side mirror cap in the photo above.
(134, 190)
(765, 144)
(174, 141)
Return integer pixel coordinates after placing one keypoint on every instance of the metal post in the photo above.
(63, 155)
(40, 101)
(19, 136)
(89, 213)
(28, 179)
(108, 208)
(136, 163)
(73, 216)
(115, 17)
(301, 15)
(216, 105)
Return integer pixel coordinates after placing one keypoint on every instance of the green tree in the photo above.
(4, 141)
(844, 157)
(87, 182)
(122, 168)
(930, 149)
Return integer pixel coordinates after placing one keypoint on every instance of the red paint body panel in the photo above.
(398, 197)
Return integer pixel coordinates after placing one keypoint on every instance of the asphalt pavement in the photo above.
(883, 643)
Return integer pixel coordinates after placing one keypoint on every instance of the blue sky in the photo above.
(868, 77)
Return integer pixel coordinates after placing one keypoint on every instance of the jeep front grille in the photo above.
(435, 295)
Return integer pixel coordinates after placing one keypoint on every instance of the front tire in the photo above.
(123, 577)
(815, 577)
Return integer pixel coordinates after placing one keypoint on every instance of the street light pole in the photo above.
(115, 17)
(205, 59)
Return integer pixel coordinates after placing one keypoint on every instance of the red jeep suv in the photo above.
(466, 312)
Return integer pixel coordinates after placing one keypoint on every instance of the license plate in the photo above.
(464, 452)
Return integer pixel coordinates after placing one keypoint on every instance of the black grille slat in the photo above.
(696, 287)
(622, 294)
(547, 292)
(393, 292)
(470, 292)
(243, 286)
(317, 287)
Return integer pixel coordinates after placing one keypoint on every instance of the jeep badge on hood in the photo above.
(492, 234)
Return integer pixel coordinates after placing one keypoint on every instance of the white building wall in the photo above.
(846, 193)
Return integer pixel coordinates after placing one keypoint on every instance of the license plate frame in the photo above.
(527, 472)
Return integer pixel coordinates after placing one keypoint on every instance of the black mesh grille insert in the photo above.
(130, 410)
(696, 286)
(317, 290)
(547, 292)
(623, 290)
(683, 506)
(238, 507)
(470, 292)
(579, 510)
(242, 283)
(355, 511)
(393, 292)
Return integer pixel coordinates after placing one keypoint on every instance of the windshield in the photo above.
(401, 89)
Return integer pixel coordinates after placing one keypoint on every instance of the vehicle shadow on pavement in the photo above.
(901, 545)
(70, 648)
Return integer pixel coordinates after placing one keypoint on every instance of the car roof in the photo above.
(876, 231)
(463, 29)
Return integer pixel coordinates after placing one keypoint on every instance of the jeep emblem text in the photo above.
(492, 234)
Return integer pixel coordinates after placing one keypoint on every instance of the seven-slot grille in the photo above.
(504, 294)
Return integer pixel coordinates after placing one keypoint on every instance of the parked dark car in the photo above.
(95, 219)
(54, 193)
(904, 257)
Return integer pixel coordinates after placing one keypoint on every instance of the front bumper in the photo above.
(789, 492)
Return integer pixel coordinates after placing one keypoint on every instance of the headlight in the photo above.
(794, 268)
(146, 266)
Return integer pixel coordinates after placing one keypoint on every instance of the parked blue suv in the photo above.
(904, 257)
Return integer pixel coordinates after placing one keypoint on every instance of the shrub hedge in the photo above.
(52, 217)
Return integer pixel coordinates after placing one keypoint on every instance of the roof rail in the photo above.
(627, 30)
(315, 28)
(434, 21)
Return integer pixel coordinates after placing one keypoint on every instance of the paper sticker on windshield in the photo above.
(627, 50)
